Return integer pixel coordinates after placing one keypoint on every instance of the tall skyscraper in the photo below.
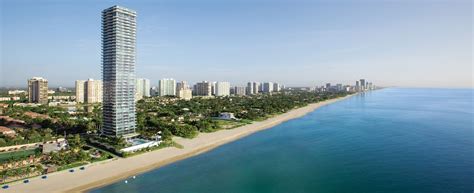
(38, 90)
(89, 91)
(167, 87)
(118, 71)
(222, 89)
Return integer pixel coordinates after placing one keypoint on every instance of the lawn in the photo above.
(16, 154)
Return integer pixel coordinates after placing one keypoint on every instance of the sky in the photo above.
(407, 43)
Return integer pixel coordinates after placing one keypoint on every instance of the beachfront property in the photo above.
(138, 144)
(118, 71)
(226, 116)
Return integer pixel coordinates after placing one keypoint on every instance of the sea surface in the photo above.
(393, 140)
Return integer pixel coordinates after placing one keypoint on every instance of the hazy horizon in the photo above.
(296, 43)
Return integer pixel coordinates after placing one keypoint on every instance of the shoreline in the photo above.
(110, 171)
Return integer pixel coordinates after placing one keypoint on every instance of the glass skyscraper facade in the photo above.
(118, 71)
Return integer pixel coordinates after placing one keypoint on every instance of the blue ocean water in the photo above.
(391, 140)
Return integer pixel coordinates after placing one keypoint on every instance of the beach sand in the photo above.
(107, 172)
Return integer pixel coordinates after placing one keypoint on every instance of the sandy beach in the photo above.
(103, 173)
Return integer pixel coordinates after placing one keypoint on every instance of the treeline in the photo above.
(186, 118)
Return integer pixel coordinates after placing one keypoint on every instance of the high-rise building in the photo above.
(249, 89)
(362, 84)
(80, 91)
(186, 93)
(267, 87)
(256, 87)
(276, 87)
(143, 87)
(222, 89)
(167, 87)
(328, 85)
(118, 71)
(183, 91)
(203, 89)
(38, 90)
(89, 91)
(213, 88)
(239, 90)
(182, 85)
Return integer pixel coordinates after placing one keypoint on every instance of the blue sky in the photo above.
(416, 43)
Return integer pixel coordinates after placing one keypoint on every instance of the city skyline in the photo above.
(391, 43)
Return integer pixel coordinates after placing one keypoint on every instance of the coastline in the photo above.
(107, 172)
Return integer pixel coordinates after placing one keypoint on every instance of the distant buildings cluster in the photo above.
(90, 91)
(360, 86)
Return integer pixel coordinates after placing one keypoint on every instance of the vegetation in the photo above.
(17, 155)
(186, 118)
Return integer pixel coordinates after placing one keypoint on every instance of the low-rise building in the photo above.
(226, 116)
(3, 108)
(54, 146)
(16, 92)
(5, 99)
(7, 131)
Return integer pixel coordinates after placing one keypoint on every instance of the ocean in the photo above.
(394, 140)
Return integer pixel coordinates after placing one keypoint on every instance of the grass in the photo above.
(229, 124)
(73, 165)
(16, 154)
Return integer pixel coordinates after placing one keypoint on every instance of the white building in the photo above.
(167, 87)
(226, 116)
(143, 87)
(89, 91)
(16, 92)
(183, 91)
(222, 89)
